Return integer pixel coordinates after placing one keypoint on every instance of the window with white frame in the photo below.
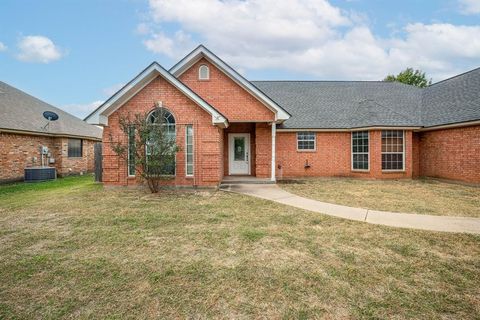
(360, 150)
(131, 151)
(203, 72)
(189, 149)
(163, 117)
(306, 141)
(393, 150)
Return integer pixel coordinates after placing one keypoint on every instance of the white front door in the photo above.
(239, 153)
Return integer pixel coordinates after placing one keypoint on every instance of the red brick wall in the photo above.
(263, 150)
(225, 95)
(332, 157)
(18, 151)
(416, 154)
(208, 139)
(66, 166)
(451, 154)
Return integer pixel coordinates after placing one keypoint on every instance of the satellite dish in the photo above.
(50, 115)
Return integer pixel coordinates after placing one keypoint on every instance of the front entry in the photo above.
(239, 153)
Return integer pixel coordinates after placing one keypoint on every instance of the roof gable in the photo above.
(202, 52)
(231, 99)
(100, 115)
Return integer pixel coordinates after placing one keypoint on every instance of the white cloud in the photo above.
(469, 6)
(38, 49)
(81, 110)
(170, 46)
(308, 36)
(142, 28)
(112, 89)
(2, 47)
(438, 48)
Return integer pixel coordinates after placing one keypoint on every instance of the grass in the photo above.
(411, 196)
(71, 249)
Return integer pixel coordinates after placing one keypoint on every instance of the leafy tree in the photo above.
(149, 144)
(409, 76)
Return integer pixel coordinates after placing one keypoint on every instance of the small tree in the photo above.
(409, 76)
(149, 146)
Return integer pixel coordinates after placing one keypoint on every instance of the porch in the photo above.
(249, 152)
(228, 180)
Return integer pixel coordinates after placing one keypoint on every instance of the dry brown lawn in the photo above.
(410, 196)
(71, 249)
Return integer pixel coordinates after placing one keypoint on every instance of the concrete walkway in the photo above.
(403, 220)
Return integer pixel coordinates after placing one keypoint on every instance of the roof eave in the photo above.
(100, 115)
(451, 125)
(378, 127)
(49, 134)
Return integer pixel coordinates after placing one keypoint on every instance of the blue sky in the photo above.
(74, 54)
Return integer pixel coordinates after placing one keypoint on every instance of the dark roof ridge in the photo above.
(453, 77)
(342, 81)
(319, 81)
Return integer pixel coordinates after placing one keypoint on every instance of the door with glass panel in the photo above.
(239, 153)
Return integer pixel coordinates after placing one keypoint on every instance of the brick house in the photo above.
(227, 125)
(24, 130)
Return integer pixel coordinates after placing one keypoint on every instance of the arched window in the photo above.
(203, 72)
(163, 117)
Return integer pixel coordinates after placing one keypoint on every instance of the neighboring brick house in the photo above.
(24, 130)
(227, 125)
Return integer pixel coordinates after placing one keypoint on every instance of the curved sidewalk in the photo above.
(403, 220)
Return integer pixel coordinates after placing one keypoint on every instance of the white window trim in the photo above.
(175, 132)
(128, 158)
(314, 143)
(368, 153)
(186, 151)
(200, 73)
(403, 154)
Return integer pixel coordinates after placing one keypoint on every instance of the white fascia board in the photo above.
(195, 55)
(347, 129)
(100, 116)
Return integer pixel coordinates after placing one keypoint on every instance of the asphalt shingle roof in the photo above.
(20, 111)
(453, 100)
(353, 104)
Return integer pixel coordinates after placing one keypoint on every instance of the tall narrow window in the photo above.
(131, 151)
(203, 72)
(306, 141)
(360, 151)
(393, 150)
(189, 149)
(75, 147)
(163, 117)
